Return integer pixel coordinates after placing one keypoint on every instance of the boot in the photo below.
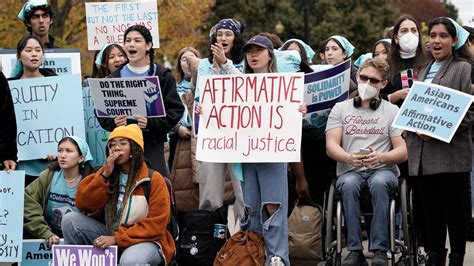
(437, 258)
(456, 259)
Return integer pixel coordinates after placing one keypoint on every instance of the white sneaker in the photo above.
(276, 261)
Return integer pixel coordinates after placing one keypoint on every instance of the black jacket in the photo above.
(157, 128)
(8, 149)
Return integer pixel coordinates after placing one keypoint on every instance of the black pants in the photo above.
(443, 200)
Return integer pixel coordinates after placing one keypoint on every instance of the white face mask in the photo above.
(366, 92)
(408, 42)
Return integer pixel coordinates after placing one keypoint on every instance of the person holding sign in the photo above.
(265, 185)
(121, 212)
(337, 49)
(138, 47)
(52, 194)
(359, 136)
(8, 149)
(30, 55)
(442, 170)
(225, 49)
(38, 17)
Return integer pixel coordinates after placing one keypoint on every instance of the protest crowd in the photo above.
(163, 191)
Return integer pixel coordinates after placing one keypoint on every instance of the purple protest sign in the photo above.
(67, 255)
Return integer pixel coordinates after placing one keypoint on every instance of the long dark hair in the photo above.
(179, 73)
(236, 53)
(385, 44)
(148, 39)
(84, 169)
(397, 63)
(460, 54)
(20, 46)
(136, 163)
(103, 69)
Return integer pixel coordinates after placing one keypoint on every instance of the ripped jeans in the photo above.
(267, 183)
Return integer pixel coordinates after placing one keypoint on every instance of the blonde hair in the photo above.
(378, 63)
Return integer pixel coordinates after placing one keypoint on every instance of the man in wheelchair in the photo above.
(360, 137)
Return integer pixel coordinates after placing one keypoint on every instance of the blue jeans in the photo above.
(379, 183)
(267, 183)
(79, 229)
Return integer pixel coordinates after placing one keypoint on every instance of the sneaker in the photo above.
(380, 258)
(276, 261)
(355, 258)
(421, 256)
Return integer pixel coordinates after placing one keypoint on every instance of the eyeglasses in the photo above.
(373, 81)
(114, 144)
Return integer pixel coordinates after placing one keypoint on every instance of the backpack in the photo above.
(304, 235)
(172, 226)
(243, 248)
(197, 243)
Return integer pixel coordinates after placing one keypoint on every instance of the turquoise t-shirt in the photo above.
(432, 72)
(61, 200)
(123, 177)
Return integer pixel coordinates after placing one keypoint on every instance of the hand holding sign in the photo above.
(9, 165)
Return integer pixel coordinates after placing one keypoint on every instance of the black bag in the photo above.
(173, 224)
(197, 244)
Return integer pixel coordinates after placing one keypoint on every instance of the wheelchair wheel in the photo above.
(406, 198)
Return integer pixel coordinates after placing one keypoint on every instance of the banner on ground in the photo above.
(96, 136)
(250, 118)
(107, 21)
(37, 253)
(47, 110)
(127, 96)
(61, 61)
(65, 255)
(433, 110)
(12, 187)
(322, 90)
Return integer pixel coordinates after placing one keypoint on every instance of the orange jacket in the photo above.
(141, 221)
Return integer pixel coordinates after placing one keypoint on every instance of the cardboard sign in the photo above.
(37, 253)
(47, 110)
(12, 187)
(108, 21)
(66, 255)
(127, 96)
(433, 110)
(250, 118)
(322, 90)
(61, 61)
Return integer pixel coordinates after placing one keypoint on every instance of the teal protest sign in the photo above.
(11, 215)
(37, 253)
(47, 109)
(433, 110)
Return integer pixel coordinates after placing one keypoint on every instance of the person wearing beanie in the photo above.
(225, 49)
(49, 197)
(38, 16)
(118, 210)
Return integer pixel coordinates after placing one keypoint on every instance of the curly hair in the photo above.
(236, 53)
(148, 39)
(379, 64)
(28, 15)
(136, 162)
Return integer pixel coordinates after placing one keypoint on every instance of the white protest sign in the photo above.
(433, 110)
(250, 118)
(47, 110)
(12, 187)
(107, 21)
(127, 96)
